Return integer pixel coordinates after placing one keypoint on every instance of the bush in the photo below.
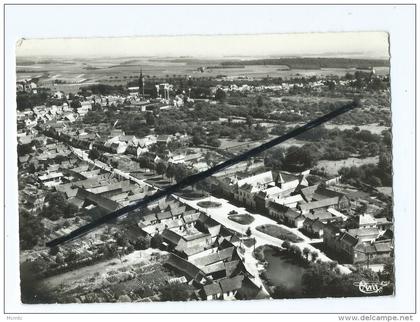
(176, 292)
(142, 243)
(156, 241)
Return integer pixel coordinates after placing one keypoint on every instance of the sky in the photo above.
(339, 44)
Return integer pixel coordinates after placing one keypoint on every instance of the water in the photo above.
(282, 270)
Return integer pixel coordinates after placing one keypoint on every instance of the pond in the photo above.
(282, 269)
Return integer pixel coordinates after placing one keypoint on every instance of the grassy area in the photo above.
(332, 167)
(192, 195)
(279, 232)
(249, 242)
(244, 219)
(209, 204)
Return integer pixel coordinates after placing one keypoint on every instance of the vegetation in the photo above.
(176, 292)
(26, 100)
(209, 204)
(313, 63)
(244, 219)
(319, 280)
(31, 230)
(56, 207)
(102, 89)
(279, 232)
(371, 174)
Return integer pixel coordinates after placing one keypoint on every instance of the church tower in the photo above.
(141, 84)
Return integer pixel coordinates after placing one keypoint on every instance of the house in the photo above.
(367, 252)
(192, 273)
(366, 221)
(365, 234)
(357, 245)
(250, 291)
(181, 242)
(212, 291)
(383, 223)
(51, 179)
(323, 203)
(286, 180)
(285, 215)
(263, 197)
(277, 211)
(164, 139)
(209, 225)
(230, 286)
(245, 194)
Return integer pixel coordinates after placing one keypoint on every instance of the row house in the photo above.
(357, 245)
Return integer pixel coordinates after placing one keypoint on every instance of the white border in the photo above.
(83, 21)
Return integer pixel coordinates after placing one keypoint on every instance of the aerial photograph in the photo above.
(119, 125)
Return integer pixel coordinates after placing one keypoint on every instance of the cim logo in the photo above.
(370, 287)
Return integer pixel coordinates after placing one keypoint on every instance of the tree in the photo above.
(57, 207)
(249, 232)
(283, 292)
(260, 101)
(249, 120)
(306, 252)
(143, 162)
(142, 243)
(296, 250)
(114, 163)
(213, 141)
(176, 292)
(300, 158)
(75, 104)
(198, 139)
(170, 171)
(180, 173)
(71, 256)
(150, 119)
(385, 168)
(54, 250)
(156, 241)
(30, 230)
(314, 255)
(130, 249)
(94, 154)
(220, 95)
(286, 244)
(161, 168)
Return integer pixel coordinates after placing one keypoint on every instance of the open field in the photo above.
(80, 72)
(235, 146)
(332, 167)
(374, 128)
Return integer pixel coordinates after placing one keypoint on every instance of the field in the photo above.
(332, 167)
(139, 272)
(235, 146)
(374, 128)
(118, 71)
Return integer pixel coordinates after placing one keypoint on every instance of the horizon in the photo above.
(356, 45)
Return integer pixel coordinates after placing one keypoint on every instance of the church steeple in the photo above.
(141, 84)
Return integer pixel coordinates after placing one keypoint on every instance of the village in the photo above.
(232, 236)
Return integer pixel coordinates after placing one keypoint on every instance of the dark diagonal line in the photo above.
(193, 179)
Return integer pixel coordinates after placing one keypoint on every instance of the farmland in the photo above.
(74, 73)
